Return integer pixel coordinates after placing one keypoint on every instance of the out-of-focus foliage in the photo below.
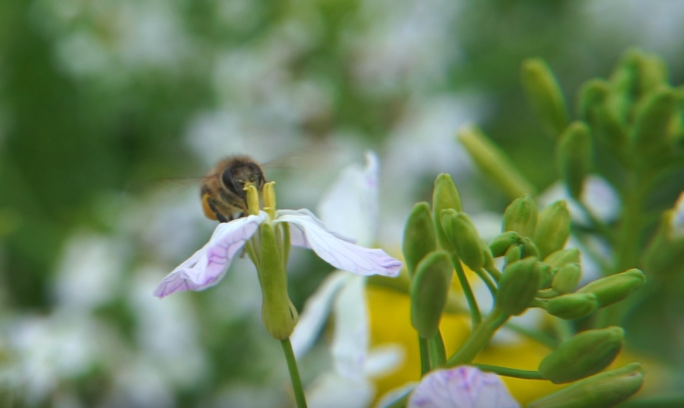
(99, 101)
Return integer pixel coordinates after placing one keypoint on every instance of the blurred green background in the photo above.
(105, 104)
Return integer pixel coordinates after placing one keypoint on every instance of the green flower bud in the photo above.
(567, 278)
(493, 162)
(444, 197)
(429, 291)
(562, 257)
(546, 275)
(529, 249)
(501, 242)
(653, 121)
(572, 306)
(518, 286)
(419, 236)
(596, 110)
(463, 236)
(582, 355)
(513, 254)
(545, 95)
(665, 255)
(521, 216)
(487, 254)
(614, 288)
(553, 229)
(277, 311)
(574, 157)
(637, 75)
(600, 391)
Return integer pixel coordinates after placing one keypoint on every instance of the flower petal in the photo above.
(208, 265)
(334, 391)
(334, 249)
(350, 339)
(350, 206)
(461, 387)
(316, 312)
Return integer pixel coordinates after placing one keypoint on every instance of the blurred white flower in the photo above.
(598, 196)
(351, 205)
(461, 387)
(678, 217)
(89, 273)
(44, 351)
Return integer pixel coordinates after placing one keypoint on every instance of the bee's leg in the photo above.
(219, 216)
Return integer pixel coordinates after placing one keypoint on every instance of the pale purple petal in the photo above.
(208, 265)
(316, 310)
(350, 206)
(461, 387)
(335, 250)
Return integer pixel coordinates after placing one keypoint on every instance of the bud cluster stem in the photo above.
(475, 314)
(478, 339)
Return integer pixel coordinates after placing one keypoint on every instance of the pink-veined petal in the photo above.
(350, 206)
(461, 387)
(316, 311)
(208, 265)
(336, 250)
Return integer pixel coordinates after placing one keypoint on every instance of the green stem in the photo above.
(535, 335)
(478, 339)
(437, 350)
(628, 248)
(598, 225)
(424, 356)
(667, 401)
(475, 315)
(511, 372)
(488, 281)
(401, 402)
(495, 273)
(294, 373)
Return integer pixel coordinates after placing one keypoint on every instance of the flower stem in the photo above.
(437, 350)
(424, 356)
(467, 291)
(294, 373)
(511, 372)
(488, 281)
(478, 338)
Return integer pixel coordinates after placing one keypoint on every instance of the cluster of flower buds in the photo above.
(540, 271)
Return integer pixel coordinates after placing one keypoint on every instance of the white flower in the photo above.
(353, 203)
(598, 196)
(208, 265)
(461, 387)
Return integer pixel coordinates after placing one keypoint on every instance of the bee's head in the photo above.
(241, 174)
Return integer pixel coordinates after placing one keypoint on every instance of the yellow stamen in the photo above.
(252, 199)
(270, 199)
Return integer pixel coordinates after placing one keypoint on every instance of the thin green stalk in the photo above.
(249, 247)
(488, 281)
(424, 355)
(535, 335)
(401, 402)
(495, 273)
(294, 373)
(666, 401)
(628, 247)
(598, 225)
(478, 339)
(475, 315)
(437, 350)
(511, 372)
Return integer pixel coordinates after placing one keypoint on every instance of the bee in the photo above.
(222, 190)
